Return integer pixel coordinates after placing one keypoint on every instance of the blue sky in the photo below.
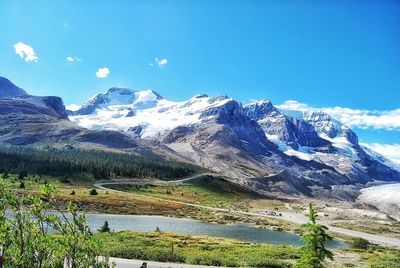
(321, 53)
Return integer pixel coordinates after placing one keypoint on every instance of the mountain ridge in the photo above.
(258, 137)
(309, 153)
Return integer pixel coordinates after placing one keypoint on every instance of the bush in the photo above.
(93, 192)
(105, 228)
(360, 243)
(28, 243)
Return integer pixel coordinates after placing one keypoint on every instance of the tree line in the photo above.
(61, 162)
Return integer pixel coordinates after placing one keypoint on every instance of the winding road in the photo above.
(290, 216)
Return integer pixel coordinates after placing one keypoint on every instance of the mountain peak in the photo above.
(257, 110)
(119, 96)
(9, 90)
(120, 90)
(201, 95)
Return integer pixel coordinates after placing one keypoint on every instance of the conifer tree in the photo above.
(315, 238)
(105, 228)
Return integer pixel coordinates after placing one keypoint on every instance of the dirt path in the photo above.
(126, 263)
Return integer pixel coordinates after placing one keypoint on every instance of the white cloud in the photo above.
(387, 120)
(73, 107)
(72, 59)
(294, 105)
(390, 151)
(159, 62)
(26, 52)
(102, 72)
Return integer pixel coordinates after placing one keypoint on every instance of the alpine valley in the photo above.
(256, 146)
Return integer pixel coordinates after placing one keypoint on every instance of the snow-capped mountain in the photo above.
(29, 120)
(120, 97)
(143, 113)
(239, 140)
(256, 145)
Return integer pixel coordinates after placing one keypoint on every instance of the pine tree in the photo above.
(315, 238)
(105, 228)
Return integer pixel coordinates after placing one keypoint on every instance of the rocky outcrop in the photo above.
(294, 132)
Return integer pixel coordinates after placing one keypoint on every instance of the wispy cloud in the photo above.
(390, 151)
(375, 119)
(26, 52)
(72, 59)
(159, 62)
(103, 72)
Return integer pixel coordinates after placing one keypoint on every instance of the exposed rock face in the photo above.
(9, 90)
(292, 131)
(256, 145)
(256, 140)
(30, 105)
(323, 123)
(26, 120)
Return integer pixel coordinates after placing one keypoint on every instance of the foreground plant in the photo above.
(315, 238)
(32, 237)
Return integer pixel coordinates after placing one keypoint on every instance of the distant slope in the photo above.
(9, 90)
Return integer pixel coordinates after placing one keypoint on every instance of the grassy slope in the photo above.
(204, 250)
(382, 258)
(204, 192)
(103, 202)
(196, 250)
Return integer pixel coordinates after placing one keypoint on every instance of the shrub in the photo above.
(105, 228)
(360, 243)
(29, 244)
(93, 192)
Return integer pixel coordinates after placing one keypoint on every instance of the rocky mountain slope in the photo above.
(27, 120)
(255, 145)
